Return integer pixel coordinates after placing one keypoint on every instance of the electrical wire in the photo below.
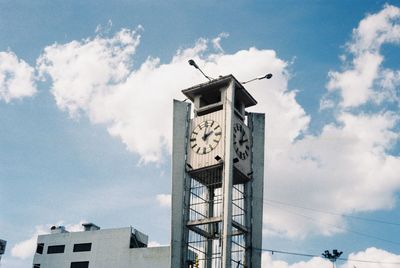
(332, 213)
(309, 255)
(342, 228)
(315, 256)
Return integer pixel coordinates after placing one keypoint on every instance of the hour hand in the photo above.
(208, 134)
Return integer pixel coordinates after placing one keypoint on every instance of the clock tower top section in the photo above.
(209, 97)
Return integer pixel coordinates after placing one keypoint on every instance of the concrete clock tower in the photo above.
(217, 178)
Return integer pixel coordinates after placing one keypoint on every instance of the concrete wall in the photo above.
(110, 248)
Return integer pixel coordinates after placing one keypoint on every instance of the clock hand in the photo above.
(205, 134)
(242, 141)
(208, 134)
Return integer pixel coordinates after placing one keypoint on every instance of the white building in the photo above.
(96, 248)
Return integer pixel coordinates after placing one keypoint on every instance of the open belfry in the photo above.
(217, 177)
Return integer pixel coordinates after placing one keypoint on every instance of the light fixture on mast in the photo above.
(193, 63)
(267, 76)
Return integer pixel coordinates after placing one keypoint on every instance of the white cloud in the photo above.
(344, 169)
(347, 167)
(16, 78)
(85, 70)
(373, 258)
(217, 41)
(75, 227)
(269, 262)
(376, 29)
(95, 77)
(153, 244)
(357, 82)
(370, 258)
(25, 249)
(164, 200)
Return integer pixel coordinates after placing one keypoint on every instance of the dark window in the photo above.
(210, 98)
(37, 265)
(82, 247)
(55, 249)
(80, 264)
(39, 248)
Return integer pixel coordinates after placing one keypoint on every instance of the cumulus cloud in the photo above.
(269, 262)
(153, 244)
(83, 71)
(363, 77)
(217, 41)
(347, 167)
(370, 258)
(95, 77)
(74, 227)
(344, 169)
(25, 249)
(17, 78)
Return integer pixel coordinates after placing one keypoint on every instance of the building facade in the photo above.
(98, 248)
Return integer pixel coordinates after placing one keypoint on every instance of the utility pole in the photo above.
(332, 256)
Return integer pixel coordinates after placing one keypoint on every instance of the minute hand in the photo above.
(242, 141)
(208, 134)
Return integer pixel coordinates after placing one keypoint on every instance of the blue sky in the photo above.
(86, 94)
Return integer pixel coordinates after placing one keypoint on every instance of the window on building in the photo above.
(36, 265)
(39, 248)
(80, 264)
(82, 247)
(55, 249)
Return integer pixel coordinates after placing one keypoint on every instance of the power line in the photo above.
(318, 256)
(340, 227)
(333, 213)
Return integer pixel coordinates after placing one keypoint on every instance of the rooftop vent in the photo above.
(138, 239)
(58, 229)
(3, 244)
(90, 227)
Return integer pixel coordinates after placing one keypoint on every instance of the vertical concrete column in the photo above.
(210, 214)
(179, 180)
(257, 125)
(228, 177)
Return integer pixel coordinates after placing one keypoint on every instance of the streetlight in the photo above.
(332, 257)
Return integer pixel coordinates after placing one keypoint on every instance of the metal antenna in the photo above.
(191, 62)
(267, 76)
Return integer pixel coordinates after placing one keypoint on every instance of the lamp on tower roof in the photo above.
(267, 76)
(193, 63)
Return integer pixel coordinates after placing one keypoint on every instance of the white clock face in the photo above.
(205, 137)
(241, 143)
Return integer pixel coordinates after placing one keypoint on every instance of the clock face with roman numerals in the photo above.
(205, 137)
(241, 143)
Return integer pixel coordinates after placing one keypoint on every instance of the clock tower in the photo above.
(217, 178)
